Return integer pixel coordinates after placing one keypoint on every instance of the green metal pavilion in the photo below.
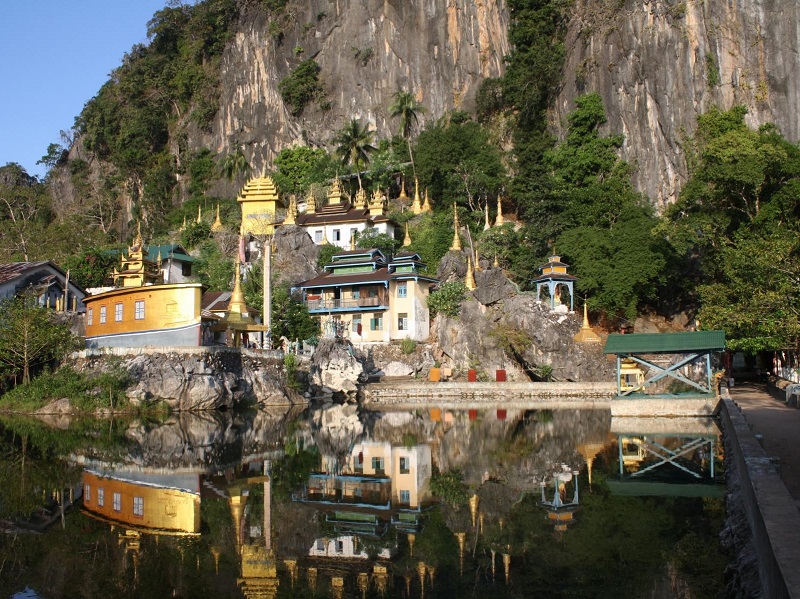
(697, 345)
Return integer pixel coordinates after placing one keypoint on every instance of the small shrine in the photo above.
(554, 277)
(136, 269)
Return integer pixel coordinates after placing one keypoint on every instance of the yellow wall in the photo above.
(164, 509)
(166, 307)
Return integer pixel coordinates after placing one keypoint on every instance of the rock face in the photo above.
(295, 256)
(203, 381)
(659, 63)
(337, 368)
(518, 334)
(367, 51)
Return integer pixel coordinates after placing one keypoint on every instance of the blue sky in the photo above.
(54, 57)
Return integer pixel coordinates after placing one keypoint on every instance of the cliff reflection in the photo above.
(340, 502)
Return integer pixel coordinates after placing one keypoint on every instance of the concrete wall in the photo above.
(772, 514)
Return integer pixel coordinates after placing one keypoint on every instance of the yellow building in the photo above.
(142, 311)
(367, 298)
(164, 504)
(261, 206)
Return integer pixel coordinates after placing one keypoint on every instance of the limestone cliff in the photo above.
(659, 63)
(367, 51)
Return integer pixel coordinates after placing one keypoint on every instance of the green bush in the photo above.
(301, 86)
(408, 345)
(447, 299)
(449, 487)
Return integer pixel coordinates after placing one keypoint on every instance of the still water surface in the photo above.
(341, 502)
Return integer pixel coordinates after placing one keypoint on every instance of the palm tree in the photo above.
(234, 164)
(354, 145)
(407, 108)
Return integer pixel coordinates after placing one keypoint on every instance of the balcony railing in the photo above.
(354, 303)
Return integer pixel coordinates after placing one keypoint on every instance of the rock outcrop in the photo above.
(202, 381)
(337, 369)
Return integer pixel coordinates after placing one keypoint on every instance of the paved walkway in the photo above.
(779, 425)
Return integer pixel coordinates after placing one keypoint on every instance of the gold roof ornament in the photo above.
(407, 238)
(353, 241)
(499, 220)
(335, 192)
(381, 576)
(416, 205)
(311, 575)
(217, 226)
(291, 211)
(456, 246)
(377, 204)
(586, 334)
(426, 206)
(160, 259)
(199, 215)
(486, 225)
(361, 199)
(136, 269)
(337, 587)
(363, 583)
(469, 280)
(311, 201)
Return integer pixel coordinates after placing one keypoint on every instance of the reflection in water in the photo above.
(338, 502)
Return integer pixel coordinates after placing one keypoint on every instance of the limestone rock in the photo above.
(337, 368)
(336, 428)
(493, 286)
(397, 369)
(295, 256)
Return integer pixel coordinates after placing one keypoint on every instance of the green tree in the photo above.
(447, 299)
(92, 267)
(354, 145)
(370, 238)
(407, 108)
(458, 162)
(299, 167)
(30, 338)
(293, 320)
(234, 164)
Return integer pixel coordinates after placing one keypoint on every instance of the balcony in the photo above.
(315, 303)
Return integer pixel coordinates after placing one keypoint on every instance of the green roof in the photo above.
(168, 251)
(665, 343)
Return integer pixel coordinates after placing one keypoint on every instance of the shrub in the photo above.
(447, 299)
(301, 86)
(408, 345)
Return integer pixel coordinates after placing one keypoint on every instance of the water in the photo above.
(346, 503)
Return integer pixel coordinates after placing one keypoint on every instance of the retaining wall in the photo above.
(772, 514)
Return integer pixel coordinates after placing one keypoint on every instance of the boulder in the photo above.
(337, 368)
(493, 286)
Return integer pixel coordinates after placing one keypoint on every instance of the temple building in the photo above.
(367, 298)
(142, 310)
(339, 220)
(556, 281)
(262, 208)
(43, 281)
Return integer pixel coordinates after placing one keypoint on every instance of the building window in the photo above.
(377, 465)
(356, 325)
(138, 506)
(102, 314)
(87, 493)
(376, 324)
(118, 312)
(337, 236)
(186, 269)
(139, 310)
(317, 236)
(356, 293)
(402, 290)
(405, 496)
(402, 321)
(89, 316)
(339, 546)
(117, 502)
(320, 544)
(353, 233)
(101, 497)
(404, 466)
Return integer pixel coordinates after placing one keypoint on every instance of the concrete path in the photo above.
(779, 425)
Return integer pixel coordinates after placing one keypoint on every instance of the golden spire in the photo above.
(352, 241)
(486, 225)
(499, 220)
(217, 226)
(183, 226)
(403, 197)
(160, 259)
(469, 280)
(311, 574)
(361, 199)
(137, 242)
(422, 570)
(496, 262)
(199, 215)
(586, 334)
(456, 239)
(416, 205)
(462, 541)
(477, 259)
(363, 583)
(311, 201)
(236, 305)
(426, 207)
(407, 239)
(507, 565)
(412, 538)
(325, 237)
(474, 502)
(377, 205)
